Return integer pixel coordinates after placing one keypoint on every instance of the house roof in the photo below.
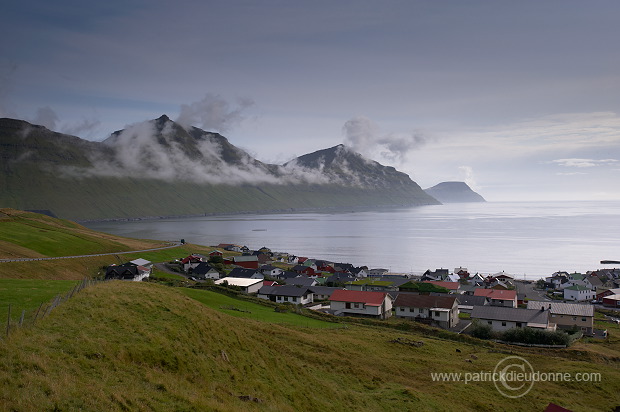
(242, 282)
(612, 297)
(465, 300)
(245, 258)
(323, 290)
(357, 296)
(141, 262)
(572, 309)
(443, 284)
(424, 301)
(300, 281)
(577, 287)
(202, 268)
(511, 314)
(499, 294)
(242, 273)
(285, 290)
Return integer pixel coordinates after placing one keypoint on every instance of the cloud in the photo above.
(364, 136)
(213, 113)
(45, 116)
(581, 163)
(467, 176)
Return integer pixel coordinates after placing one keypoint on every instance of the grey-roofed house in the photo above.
(245, 273)
(287, 293)
(440, 310)
(205, 271)
(270, 270)
(568, 315)
(466, 302)
(301, 281)
(322, 292)
(502, 318)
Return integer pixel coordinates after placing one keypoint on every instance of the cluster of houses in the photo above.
(437, 297)
(600, 286)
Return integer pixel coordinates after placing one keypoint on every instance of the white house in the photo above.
(578, 292)
(361, 303)
(286, 294)
(441, 310)
(248, 285)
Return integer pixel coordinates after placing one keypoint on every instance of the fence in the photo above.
(29, 318)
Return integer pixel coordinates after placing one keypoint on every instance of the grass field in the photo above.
(139, 346)
(249, 310)
(28, 295)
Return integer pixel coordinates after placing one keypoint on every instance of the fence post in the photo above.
(37, 314)
(21, 319)
(8, 321)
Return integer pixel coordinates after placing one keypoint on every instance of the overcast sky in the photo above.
(520, 99)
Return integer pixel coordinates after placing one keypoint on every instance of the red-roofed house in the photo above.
(498, 297)
(361, 303)
(453, 287)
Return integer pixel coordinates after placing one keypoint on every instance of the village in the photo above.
(452, 300)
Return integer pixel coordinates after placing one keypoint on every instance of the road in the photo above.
(83, 256)
(528, 290)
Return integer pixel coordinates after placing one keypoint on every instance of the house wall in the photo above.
(298, 300)
(585, 323)
(499, 325)
(362, 310)
(503, 302)
(445, 319)
(570, 294)
(254, 288)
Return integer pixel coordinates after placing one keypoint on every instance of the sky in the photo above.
(519, 99)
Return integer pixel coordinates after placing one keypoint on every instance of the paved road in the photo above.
(528, 290)
(82, 256)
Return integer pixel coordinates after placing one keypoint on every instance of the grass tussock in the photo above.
(140, 346)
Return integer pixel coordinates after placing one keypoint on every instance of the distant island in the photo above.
(454, 192)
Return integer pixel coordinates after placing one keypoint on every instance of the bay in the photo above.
(525, 239)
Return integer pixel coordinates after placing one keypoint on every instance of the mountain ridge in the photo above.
(159, 168)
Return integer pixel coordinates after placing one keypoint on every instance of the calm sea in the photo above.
(528, 240)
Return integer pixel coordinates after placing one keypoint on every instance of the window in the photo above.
(347, 305)
(286, 298)
(402, 309)
(356, 305)
(294, 299)
(411, 309)
(503, 323)
(489, 322)
(437, 314)
(583, 319)
(518, 324)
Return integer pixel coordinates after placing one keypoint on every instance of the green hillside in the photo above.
(140, 346)
(24, 234)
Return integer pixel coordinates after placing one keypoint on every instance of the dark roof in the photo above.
(124, 271)
(287, 274)
(322, 290)
(202, 269)
(242, 273)
(465, 300)
(286, 290)
(301, 281)
(510, 314)
(424, 301)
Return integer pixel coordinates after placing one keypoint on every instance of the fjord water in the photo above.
(530, 240)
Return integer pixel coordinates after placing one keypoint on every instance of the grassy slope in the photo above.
(24, 234)
(137, 346)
